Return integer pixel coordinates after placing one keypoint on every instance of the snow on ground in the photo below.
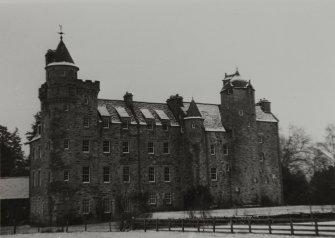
(254, 211)
(148, 234)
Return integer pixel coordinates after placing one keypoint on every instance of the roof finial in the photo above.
(61, 32)
(237, 73)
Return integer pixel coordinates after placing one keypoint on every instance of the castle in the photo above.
(92, 157)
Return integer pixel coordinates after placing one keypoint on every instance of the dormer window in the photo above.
(165, 126)
(125, 125)
(150, 125)
(105, 122)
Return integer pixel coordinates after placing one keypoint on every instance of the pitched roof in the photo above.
(142, 111)
(211, 115)
(14, 187)
(264, 116)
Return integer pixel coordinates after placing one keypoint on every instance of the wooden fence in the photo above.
(282, 226)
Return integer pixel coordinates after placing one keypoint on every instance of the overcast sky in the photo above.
(156, 48)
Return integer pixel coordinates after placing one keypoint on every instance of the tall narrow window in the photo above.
(86, 146)
(261, 158)
(260, 139)
(33, 178)
(86, 206)
(125, 147)
(151, 174)
(212, 149)
(165, 126)
(106, 174)
(150, 125)
(167, 174)
(66, 175)
(86, 122)
(66, 144)
(39, 178)
(152, 198)
(166, 148)
(126, 174)
(85, 100)
(214, 175)
(39, 152)
(66, 107)
(86, 174)
(107, 205)
(106, 146)
(167, 198)
(105, 122)
(225, 150)
(125, 125)
(150, 147)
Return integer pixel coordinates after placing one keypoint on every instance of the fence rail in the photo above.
(283, 226)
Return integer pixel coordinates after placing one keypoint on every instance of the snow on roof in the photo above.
(211, 115)
(161, 114)
(146, 113)
(264, 116)
(14, 188)
(62, 64)
(122, 112)
(103, 111)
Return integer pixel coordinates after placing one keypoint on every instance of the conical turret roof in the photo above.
(62, 54)
(193, 110)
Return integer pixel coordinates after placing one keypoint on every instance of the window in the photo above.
(261, 158)
(66, 144)
(39, 151)
(240, 112)
(66, 175)
(229, 91)
(227, 167)
(150, 125)
(126, 174)
(106, 174)
(150, 147)
(86, 206)
(152, 198)
(33, 178)
(225, 150)
(66, 107)
(85, 100)
(214, 176)
(86, 174)
(151, 174)
(86, 122)
(107, 205)
(168, 198)
(106, 146)
(48, 146)
(125, 147)
(86, 146)
(39, 178)
(212, 149)
(124, 125)
(193, 125)
(166, 174)
(165, 126)
(166, 147)
(260, 139)
(105, 122)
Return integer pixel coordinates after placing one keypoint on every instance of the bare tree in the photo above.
(325, 151)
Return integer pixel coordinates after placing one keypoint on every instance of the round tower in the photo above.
(239, 119)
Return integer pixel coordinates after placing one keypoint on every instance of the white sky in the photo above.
(156, 48)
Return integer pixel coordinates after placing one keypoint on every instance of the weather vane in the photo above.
(61, 32)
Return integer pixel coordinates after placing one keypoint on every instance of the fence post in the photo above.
(214, 224)
(231, 225)
(14, 228)
(145, 225)
(169, 224)
(249, 223)
(156, 224)
(270, 229)
(291, 225)
(198, 224)
(316, 227)
(182, 224)
(67, 224)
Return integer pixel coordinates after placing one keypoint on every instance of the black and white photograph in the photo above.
(160, 118)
